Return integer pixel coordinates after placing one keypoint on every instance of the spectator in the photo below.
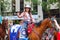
(47, 38)
(10, 24)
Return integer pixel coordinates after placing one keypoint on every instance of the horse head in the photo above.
(49, 23)
(5, 23)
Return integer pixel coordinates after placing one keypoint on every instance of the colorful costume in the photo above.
(14, 31)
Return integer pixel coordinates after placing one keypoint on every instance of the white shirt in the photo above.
(26, 16)
(15, 28)
(57, 25)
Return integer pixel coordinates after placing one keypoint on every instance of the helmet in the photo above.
(28, 6)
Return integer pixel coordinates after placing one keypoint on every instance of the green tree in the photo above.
(3, 5)
(44, 4)
(34, 4)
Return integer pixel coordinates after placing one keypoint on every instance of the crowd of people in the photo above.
(48, 34)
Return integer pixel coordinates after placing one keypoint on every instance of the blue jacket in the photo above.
(14, 30)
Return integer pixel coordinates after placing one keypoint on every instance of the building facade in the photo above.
(18, 5)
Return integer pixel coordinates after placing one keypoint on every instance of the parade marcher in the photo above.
(22, 35)
(10, 24)
(47, 38)
(58, 27)
(14, 32)
(27, 15)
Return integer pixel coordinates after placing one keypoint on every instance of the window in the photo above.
(34, 9)
(21, 5)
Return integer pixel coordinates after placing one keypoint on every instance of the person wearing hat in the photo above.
(26, 15)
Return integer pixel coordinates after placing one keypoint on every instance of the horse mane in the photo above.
(45, 20)
(39, 23)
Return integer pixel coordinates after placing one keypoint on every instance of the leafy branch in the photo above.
(4, 4)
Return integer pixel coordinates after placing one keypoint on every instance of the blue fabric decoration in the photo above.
(0, 19)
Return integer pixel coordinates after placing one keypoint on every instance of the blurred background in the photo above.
(41, 9)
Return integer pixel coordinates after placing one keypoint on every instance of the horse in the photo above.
(37, 32)
(3, 27)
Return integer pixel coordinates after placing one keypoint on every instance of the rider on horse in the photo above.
(27, 15)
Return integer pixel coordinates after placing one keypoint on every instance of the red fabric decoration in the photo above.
(58, 36)
(30, 27)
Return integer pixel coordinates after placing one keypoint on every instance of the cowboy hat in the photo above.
(28, 6)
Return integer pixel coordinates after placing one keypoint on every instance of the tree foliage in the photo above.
(44, 3)
(3, 5)
(33, 1)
